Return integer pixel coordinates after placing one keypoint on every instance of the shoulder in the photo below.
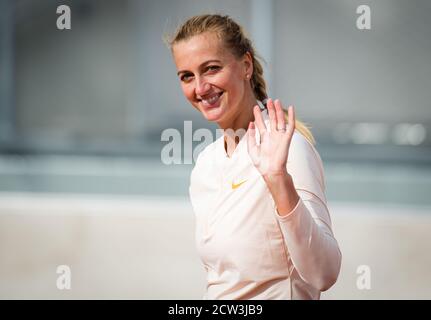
(208, 152)
(305, 165)
(300, 147)
(206, 158)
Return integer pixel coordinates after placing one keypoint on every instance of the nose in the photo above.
(202, 86)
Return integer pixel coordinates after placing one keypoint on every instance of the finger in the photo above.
(253, 148)
(251, 139)
(259, 121)
(281, 120)
(291, 121)
(272, 115)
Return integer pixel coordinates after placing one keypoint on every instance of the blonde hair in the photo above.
(234, 38)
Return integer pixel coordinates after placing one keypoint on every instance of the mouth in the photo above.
(211, 101)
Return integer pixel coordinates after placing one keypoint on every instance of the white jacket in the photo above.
(248, 250)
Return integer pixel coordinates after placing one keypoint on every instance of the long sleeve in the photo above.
(307, 228)
(248, 252)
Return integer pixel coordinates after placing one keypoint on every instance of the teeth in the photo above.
(212, 99)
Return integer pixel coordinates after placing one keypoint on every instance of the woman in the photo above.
(263, 230)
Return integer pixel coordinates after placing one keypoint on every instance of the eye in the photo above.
(186, 77)
(213, 68)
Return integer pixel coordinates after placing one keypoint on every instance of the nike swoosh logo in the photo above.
(234, 186)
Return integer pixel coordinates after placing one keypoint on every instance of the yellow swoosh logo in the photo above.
(234, 186)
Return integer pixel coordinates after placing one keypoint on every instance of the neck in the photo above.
(240, 120)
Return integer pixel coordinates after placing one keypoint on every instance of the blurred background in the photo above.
(82, 111)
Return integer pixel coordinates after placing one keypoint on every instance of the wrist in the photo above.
(276, 177)
(283, 191)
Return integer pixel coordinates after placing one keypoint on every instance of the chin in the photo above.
(214, 115)
(212, 118)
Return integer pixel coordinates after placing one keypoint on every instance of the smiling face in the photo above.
(212, 78)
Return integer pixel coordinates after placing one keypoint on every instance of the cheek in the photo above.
(236, 88)
(233, 84)
(187, 91)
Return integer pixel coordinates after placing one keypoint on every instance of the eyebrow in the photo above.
(203, 64)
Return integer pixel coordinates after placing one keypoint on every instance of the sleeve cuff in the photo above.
(290, 214)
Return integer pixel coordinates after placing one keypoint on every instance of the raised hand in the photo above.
(270, 156)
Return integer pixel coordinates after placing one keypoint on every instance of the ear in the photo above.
(248, 64)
